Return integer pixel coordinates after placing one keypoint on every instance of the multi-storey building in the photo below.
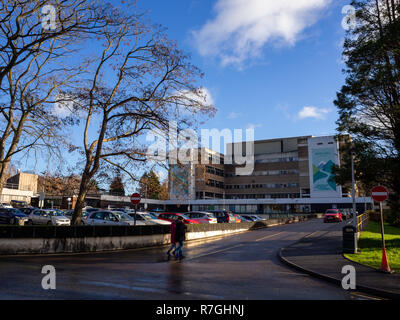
(284, 174)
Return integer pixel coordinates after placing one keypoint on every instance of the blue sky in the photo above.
(286, 90)
(272, 65)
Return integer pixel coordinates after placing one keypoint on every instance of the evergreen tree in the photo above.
(117, 186)
(150, 186)
(369, 102)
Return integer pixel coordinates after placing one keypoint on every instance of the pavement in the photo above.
(320, 254)
(239, 267)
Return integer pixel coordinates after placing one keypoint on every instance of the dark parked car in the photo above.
(12, 216)
(224, 216)
(27, 210)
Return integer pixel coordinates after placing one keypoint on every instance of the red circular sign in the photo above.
(380, 194)
(135, 198)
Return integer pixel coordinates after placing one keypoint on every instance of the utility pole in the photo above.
(353, 186)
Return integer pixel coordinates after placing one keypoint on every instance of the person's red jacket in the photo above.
(172, 228)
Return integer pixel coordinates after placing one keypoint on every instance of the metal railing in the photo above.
(362, 222)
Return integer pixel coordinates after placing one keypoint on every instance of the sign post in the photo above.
(381, 194)
(135, 200)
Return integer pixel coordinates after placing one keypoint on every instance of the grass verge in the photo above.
(370, 246)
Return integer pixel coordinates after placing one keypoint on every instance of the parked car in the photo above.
(174, 216)
(70, 212)
(333, 215)
(113, 218)
(18, 203)
(147, 218)
(6, 205)
(256, 217)
(90, 209)
(224, 216)
(246, 218)
(27, 210)
(48, 216)
(202, 217)
(12, 216)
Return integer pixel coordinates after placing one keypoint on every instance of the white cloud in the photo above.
(234, 115)
(241, 28)
(254, 125)
(313, 112)
(202, 96)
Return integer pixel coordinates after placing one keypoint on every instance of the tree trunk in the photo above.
(3, 175)
(80, 201)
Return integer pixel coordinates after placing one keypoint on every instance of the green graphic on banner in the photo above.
(322, 162)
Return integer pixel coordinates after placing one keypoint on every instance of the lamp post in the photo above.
(353, 188)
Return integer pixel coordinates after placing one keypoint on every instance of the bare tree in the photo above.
(33, 69)
(140, 81)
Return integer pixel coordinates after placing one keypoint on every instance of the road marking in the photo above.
(270, 236)
(366, 297)
(214, 252)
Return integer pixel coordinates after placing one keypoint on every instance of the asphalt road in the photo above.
(243, 266)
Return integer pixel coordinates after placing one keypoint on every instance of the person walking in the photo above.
(180, 237)
(172, 229)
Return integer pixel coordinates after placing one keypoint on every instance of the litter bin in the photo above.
(349, 239)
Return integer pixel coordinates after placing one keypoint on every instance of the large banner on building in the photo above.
(323, 161)
(181, 182)
(323, 153)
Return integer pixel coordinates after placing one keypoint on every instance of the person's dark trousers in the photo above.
(178, 250)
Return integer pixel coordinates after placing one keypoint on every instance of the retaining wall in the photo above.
(50, 239)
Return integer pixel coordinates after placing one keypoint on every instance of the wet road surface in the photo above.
(243, 266)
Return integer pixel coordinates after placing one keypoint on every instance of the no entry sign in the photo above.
(135, 198)
(380, 194)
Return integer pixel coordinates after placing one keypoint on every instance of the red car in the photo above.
(333, 215)
(174, 216)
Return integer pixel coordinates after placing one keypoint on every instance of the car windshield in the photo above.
(332, 211)
(123, 216)
(147, 216)
(54, 213)
(17, 212)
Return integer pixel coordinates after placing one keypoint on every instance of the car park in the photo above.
(148, 219)
(12, 216)
(174, 216)
(49, 217)
(333, 215)
(18, 203)
(224, 216)
(6, 205)
(247, 218)
(111, 218)
(27, 210)
(256, 218)
(202, 217)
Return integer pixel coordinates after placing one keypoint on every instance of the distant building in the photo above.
(21, 187)
(287, 174)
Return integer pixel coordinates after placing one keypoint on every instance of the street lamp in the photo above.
(353, 187)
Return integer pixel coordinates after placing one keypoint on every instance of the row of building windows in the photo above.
(268, 173)
(276, 160)
(264, 196)
(262, 186)
(215, 171)
(215, 184)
